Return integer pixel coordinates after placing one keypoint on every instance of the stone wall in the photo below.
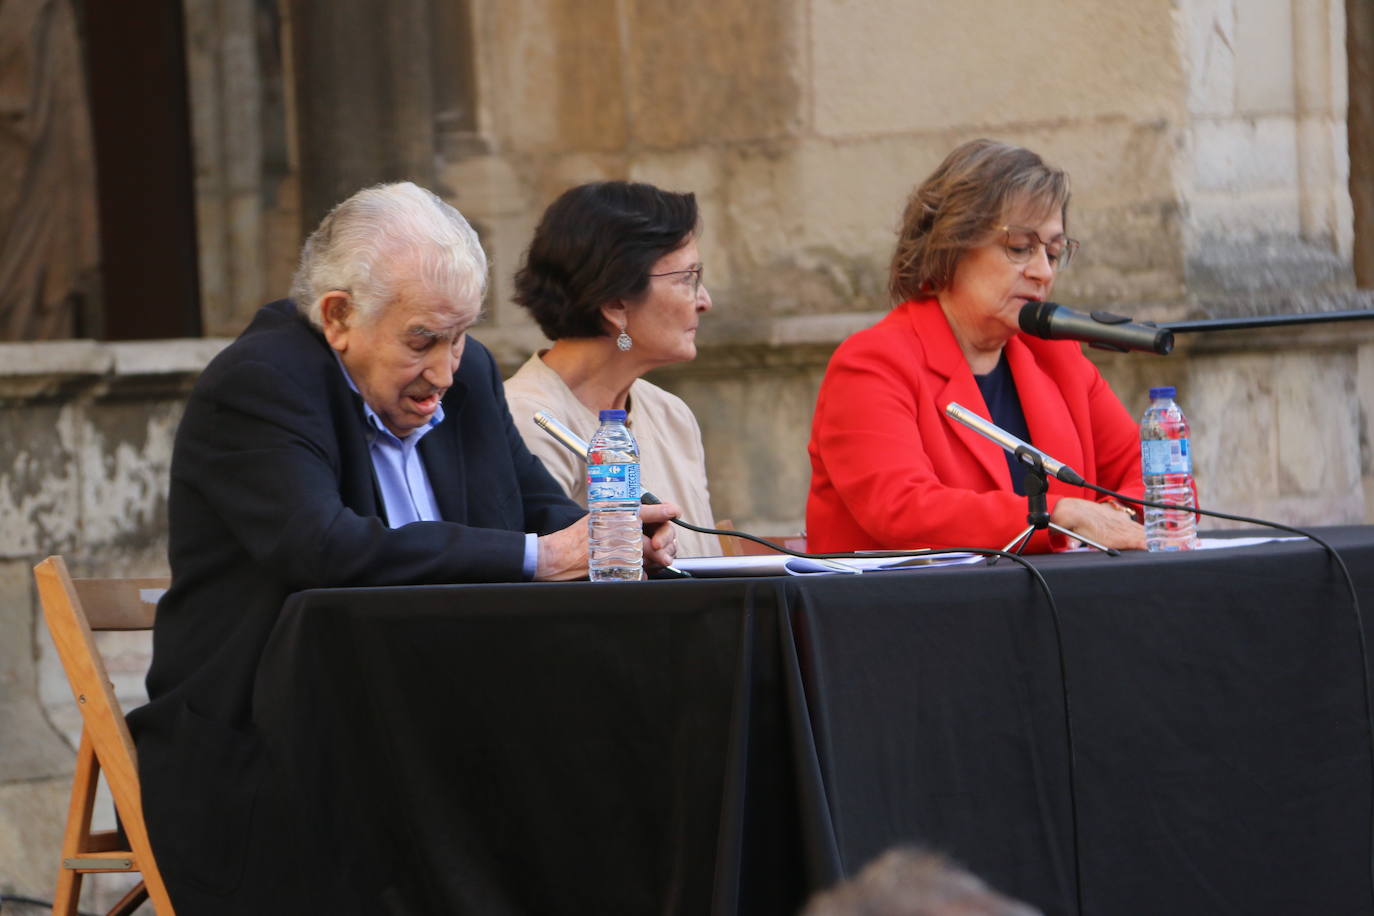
(87, 431)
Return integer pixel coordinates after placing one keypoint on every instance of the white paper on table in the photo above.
(783, 565)
(1206, 543)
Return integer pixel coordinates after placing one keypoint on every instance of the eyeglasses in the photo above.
(1021, 245)
(694, 272)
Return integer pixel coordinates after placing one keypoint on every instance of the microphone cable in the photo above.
(1354, 604)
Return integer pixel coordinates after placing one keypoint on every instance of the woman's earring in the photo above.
(623, 341)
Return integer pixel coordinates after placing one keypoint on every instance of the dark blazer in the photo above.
(272, 491)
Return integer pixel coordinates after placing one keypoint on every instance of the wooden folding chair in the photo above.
(74, 608)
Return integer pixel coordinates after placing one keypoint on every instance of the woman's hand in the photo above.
(1100, 522)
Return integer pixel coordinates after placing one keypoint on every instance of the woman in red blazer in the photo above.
(981, 237)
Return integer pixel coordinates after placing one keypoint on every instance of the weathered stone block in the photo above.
(1324, 176)
(1209, 34)
(39, 480)
(29, 746)
(894, 66)
(712, 72)
(1321, 71)
(1317, 422)
(124, 462)
(558, 67)
(1229, 402)
(32, 818)
(1263, 42)
(1237, 155)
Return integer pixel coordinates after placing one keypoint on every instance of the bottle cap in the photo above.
(1167, 391)
(618, 415)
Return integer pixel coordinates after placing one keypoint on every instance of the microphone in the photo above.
(1098, 329)
(1024, 451)
(565, 437)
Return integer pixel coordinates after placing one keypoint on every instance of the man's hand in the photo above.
(660, 537)
(563, 554)
(1108, 526)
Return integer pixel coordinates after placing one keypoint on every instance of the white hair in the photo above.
(382, 239)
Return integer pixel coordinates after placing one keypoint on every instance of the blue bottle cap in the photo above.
(1166, 392)
(613, 415)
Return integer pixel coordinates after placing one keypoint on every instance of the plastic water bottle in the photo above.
(1167, 464)
(613, 535)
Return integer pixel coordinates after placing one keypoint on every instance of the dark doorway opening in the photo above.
(135, 58)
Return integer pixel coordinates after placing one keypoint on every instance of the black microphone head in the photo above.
(1035, 318)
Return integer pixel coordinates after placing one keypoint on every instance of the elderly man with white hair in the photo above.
(353, 435)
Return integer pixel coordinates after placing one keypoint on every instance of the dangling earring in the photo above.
(623, 341)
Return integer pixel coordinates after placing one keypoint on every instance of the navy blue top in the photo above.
(999, 393)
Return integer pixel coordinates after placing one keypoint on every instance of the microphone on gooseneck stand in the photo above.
(1098, 329)
(1023, 451)
(1040, 465)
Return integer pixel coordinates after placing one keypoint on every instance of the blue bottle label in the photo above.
(1165, 456)
(613, 482)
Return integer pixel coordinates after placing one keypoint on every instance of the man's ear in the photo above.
(336, 310)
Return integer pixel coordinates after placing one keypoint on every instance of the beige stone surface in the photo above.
(514, 59)
(1323, 174)
(1263, 43)
(897, 66)
(1320, 73)
(1209, 42)
(1238, 155)
(1317, 420)
(32, 816)
(713, 71)
(587, 82)
(30, 748)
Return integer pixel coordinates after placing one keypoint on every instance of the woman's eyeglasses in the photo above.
(1022, 244)
(695, 273)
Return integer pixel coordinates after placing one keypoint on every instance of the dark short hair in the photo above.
(597, 243)
(966, 197)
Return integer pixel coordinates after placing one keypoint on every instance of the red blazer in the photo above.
(890, 470)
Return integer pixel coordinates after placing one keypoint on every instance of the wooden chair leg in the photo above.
(68, 892)
(156, 889)
(84, 782)
(132, 900)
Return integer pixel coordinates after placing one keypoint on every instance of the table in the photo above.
(728, 746)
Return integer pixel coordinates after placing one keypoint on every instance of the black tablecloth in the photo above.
(729, 746)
